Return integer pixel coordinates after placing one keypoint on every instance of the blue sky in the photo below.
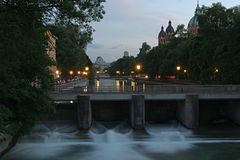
(129, 23)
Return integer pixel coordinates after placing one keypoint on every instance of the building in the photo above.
(51, 51)
(100, 64)
(193, 23)
(126, 54)
(165, 36)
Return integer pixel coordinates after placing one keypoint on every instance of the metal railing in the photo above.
(154, 89)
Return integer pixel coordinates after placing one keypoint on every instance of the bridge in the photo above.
(192, 105)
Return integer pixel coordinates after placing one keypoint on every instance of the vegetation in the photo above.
(70, 48)
(25, 78)
(122, 66)
(212, 56)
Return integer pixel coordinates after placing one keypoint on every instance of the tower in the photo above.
(164, 37)
(193, 23)
(161, 36)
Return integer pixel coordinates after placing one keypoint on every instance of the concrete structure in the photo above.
(84, 112)
(188, 114)
(137, 112)
(194, 106)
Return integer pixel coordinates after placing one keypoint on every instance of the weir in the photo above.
(191, 110)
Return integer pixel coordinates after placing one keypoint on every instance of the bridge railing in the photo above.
(208, 89)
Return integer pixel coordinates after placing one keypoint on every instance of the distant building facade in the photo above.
(101, 64)
(193, 23)
(126, 54)
(51, 51)
(165, 36)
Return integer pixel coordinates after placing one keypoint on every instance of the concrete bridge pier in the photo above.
(233, 111)
(188, 113)
(84, 112)
(137, 113)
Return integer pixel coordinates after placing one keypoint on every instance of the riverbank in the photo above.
(7, 142)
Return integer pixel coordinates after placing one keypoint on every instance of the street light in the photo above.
(86, 68)
(58, 79)
(71, 73)
(118, 72)
(57, 73)
(178, 68)
(138, 67)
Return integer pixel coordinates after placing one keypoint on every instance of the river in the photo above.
(117, 141)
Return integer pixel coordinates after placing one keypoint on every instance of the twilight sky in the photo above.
(129, 23)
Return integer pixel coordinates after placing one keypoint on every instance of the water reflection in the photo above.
(117, 85)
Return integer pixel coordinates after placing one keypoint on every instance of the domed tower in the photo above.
(169, 30)
(162, 36)
(193, 23)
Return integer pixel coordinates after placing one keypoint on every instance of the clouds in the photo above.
(95, 46)
(116, 47)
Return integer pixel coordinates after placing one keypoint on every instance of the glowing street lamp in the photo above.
(178, 68)
(138, 67)
(78, 72)
(57, 73)
(71, 72)
(216, 70)
(118, 72)
(185, 71)
(86, 68)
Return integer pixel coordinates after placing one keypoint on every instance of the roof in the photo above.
(169, 28)
(161, 33)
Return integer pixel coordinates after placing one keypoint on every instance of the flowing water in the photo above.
(117, 141)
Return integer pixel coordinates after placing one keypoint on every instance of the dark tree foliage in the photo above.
(125, 65)
(25, 78)
(211, 57)
(143, 51)
(70, 49)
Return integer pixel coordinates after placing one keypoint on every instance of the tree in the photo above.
(143, 51)
(211, 56)
(123, 65)
(25, 78)
(70, 49)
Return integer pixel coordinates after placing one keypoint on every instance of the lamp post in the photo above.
(58, 77)
(216, 70)
(178, 68)
(185, 72)
(71, 74)
(138, 67)
(86, 68)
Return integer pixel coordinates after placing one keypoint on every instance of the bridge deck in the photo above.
(152, 92)
(127, 97)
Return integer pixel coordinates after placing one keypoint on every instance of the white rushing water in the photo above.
(116, 142)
